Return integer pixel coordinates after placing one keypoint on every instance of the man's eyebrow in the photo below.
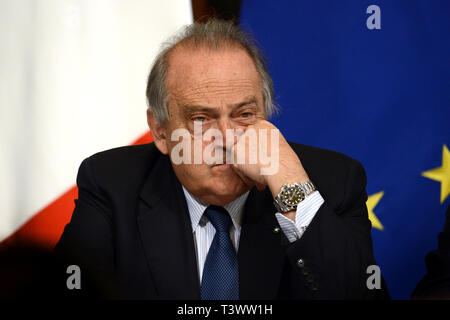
(250, 100)
(188, 109)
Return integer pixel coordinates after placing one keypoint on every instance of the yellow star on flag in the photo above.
(441, 174)
(371, 203)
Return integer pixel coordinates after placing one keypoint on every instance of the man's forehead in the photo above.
(198, 64)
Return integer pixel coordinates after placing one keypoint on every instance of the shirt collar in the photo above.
(197, 207)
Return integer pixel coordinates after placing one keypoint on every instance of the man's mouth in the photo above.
(222, 166)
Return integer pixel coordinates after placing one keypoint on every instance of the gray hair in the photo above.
(213, 34)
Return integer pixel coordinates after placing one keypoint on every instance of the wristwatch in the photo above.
(292, 194)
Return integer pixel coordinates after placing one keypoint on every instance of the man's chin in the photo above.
(224, 191)
(223, 199)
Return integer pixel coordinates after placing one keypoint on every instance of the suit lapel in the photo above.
(261, 252)
(166, 233)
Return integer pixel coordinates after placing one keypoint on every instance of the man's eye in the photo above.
(199, 119)
(246, 115)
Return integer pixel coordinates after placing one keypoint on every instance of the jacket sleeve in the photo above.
(331, 259)
(436, 283)
(87, 240)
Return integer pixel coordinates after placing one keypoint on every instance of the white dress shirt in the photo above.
(204, 231)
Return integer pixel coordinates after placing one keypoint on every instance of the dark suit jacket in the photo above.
(131, 234)
(436, 283)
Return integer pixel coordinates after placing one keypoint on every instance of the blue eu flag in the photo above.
(370, 79)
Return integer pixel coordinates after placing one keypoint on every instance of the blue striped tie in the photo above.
(220, 280)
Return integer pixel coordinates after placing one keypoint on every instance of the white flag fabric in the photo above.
(72, 83)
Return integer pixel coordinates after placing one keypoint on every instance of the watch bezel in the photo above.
(304, 189)
(289, 191)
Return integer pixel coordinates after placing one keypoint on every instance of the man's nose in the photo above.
(224, 125)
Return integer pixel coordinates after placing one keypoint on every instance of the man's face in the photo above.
(221, 89)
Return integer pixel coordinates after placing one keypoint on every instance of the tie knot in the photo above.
(219, 217)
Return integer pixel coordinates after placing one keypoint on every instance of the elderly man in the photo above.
(159, 223)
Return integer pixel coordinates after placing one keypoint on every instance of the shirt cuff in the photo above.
(306, 211)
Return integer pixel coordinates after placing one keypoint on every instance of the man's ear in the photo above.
(159, 133)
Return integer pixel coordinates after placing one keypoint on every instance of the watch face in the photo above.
(292, 195)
